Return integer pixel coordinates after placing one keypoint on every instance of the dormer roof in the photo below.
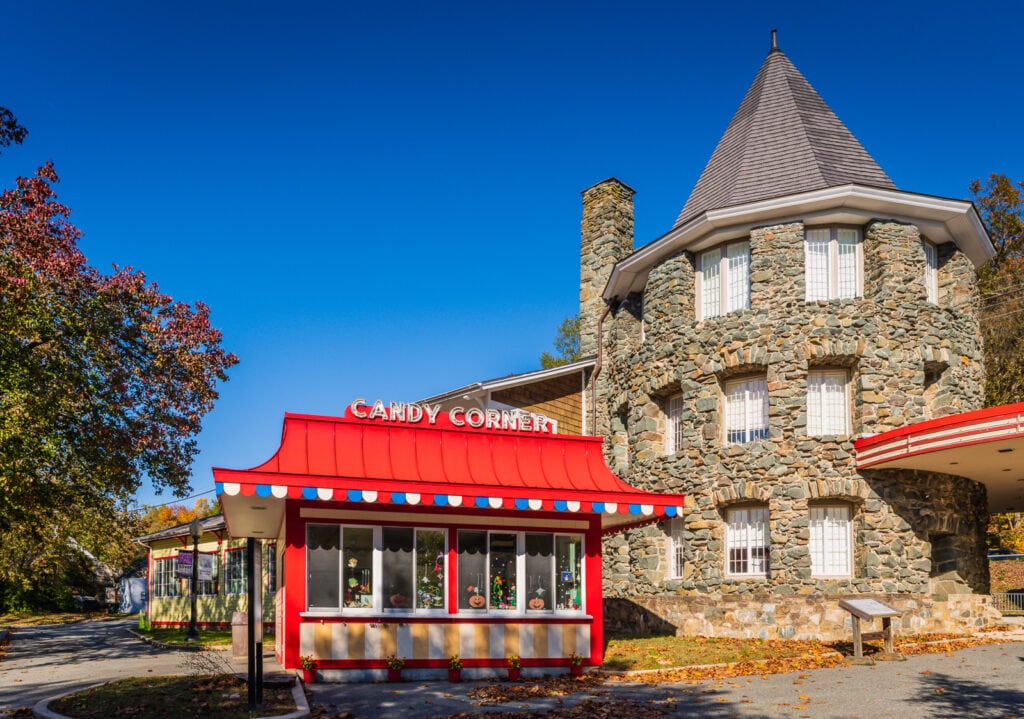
(783, 140)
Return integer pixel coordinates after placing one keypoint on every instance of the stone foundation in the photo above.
(763, 616)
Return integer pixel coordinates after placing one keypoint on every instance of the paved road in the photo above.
(45, 661)
(980, 683)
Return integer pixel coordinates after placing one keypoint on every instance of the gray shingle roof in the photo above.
(782, 140)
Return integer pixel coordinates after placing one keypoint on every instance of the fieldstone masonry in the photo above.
(907, 360)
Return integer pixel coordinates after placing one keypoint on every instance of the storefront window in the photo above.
(430, 553)
(165, 581)
(472, 569)
(540, 566)
(323, 557)
(208, 587)
(503, 571)
(357, 556)
(568, 577)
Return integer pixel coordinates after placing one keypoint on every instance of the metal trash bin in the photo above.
(239, 634)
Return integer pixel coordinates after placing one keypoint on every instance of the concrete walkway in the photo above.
(980, 683)
(42, 662)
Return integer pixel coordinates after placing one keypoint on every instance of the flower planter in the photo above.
(309, 676)
(394, 675)
(455, 675)
(576, 670)
(513, 673)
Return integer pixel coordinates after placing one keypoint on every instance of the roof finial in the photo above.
(775, 41)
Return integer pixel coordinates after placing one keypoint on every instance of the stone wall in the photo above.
(765, 616)
(906, 359)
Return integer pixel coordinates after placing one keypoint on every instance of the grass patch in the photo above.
(629, 653)
(210, 697)
(175, 636)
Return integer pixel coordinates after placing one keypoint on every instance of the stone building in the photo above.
(800, 302)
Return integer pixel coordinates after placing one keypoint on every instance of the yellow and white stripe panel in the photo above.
(337, 641)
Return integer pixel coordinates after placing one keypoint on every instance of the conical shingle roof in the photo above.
(783, 140)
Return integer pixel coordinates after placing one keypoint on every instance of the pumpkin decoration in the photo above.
(398, 600)
(477, 601)
(536, 603)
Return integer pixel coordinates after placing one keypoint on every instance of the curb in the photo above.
(42, 709)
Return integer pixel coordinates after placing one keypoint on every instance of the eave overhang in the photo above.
(362, 464)
(940, 219)
(986, 446)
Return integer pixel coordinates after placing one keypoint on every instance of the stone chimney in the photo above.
(606, 234)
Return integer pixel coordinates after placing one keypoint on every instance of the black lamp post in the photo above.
(192, 635)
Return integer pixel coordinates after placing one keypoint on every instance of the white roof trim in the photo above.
(514, 380)
(942, 219)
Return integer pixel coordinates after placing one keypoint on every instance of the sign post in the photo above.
(869, 609)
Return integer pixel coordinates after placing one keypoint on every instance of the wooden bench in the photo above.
(870, 609)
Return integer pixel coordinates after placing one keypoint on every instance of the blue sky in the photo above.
(382, 199)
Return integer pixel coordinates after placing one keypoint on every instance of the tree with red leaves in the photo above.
(104, 380)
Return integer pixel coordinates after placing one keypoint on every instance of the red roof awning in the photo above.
(353, 460)
(985, 445)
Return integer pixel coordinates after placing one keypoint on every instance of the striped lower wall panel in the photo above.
(338, 641)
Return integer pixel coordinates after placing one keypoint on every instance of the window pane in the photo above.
(357, 556)
(674, 425)
(738, 276)
(747, 538)
(502, 571)
(430, 551)
(746, 410)
(472, 569)
(234, 572)
(207, 587)
(829, 541)
(711, 286)
(569, 577)
(271, 568)
(677, 558)
(827, 408)
(323, 558)
(397, 566)
(816, 259)
(540, 566)
(931, 278)
(848, 241)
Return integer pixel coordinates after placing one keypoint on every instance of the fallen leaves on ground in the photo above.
(586, 709)
(784, 665)
(1007, 576)
(557, 686)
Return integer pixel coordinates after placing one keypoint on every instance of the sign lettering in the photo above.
(515, 420)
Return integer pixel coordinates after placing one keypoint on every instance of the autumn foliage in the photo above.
(104, 381)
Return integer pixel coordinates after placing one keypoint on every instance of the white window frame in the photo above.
(747, 542)
(931, 272)
(673, 424)
(828, 402)
(242, 581)
(676, 549)
(831, 539)
(746, 409)
(165, 577)
(841, 263)
(723, 280)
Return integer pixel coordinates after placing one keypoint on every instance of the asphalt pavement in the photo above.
(980, 683)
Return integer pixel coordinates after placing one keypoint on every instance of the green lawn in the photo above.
(207, 637)
(627, 653)
(211, 697)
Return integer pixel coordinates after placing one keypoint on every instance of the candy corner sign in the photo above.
(515, 420)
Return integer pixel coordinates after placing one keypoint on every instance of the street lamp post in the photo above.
(192, 635)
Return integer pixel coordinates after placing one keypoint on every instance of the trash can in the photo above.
(239, 634)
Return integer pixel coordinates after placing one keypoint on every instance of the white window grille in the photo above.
(746, 410)
(931, 272)
(724, 279)
(832, 257)
(234, 572)
(165, 581)
(674, 424)
(676, 549)
(747, 541)
(828, 407)
(830, 540)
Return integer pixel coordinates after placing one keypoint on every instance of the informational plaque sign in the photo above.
(184, 565)
(868, 608)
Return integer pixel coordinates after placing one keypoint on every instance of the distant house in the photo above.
(216, 599)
